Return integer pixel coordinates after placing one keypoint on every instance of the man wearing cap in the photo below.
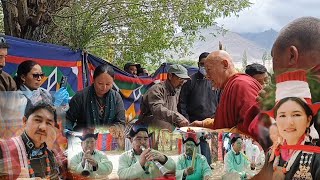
(185, 169)
(132, 68)
(6, 81)
(141, 162)
(28, 156)
(159, 103)
(198, 101)
(94, 161)
(235, 162)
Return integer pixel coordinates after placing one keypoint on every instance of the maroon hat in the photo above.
(191, 136)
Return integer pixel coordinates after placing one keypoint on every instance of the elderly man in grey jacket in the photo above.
(159, 104)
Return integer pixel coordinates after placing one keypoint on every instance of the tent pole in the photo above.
(85, 68)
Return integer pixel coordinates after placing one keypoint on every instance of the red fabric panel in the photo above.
(99, 142)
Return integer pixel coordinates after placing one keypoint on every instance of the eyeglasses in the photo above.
(3, 40)
(180, 79)
(36, 76)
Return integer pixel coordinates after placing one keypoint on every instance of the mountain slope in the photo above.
(264, 39)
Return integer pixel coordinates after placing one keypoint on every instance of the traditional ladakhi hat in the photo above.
(293, 84)
(88, 133)
(136, 128)
(191, 136)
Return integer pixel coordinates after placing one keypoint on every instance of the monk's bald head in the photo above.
(219, 56)
(304, 33)
(300, 38)
(219, 67)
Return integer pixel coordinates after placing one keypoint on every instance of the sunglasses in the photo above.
(36, 76)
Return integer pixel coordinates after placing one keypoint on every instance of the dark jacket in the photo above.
(79, 115)
(314, 164)
(6, 82)
(197, 100)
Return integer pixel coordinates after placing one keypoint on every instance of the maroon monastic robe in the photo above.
(238, 105)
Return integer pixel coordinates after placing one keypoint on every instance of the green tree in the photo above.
(184, 62)
(119, 31)
(265, 57)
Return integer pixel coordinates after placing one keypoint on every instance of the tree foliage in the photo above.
(31, 19)
(185, 62)
(120, 31)
(266, 57)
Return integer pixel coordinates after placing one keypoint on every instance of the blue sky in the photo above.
(266, 14)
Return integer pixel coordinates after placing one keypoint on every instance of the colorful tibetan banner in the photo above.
(130, 88)
(56, 61)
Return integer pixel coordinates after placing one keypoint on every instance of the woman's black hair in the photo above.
(23, 69)
(104, 68)
(298, 100)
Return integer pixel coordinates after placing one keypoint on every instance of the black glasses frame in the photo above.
(36, 76)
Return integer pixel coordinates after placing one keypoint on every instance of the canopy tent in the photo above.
(57, 61)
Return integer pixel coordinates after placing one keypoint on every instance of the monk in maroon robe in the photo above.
(237, 106)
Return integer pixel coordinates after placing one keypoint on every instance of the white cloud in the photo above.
(267, 14)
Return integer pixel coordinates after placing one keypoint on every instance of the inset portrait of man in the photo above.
(90, 162)
(29, 155)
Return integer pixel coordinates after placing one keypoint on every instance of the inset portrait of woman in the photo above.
(297, 158)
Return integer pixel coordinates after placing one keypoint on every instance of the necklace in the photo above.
(234, 157)
(304, 168)
(101, 106)
(48, 169)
